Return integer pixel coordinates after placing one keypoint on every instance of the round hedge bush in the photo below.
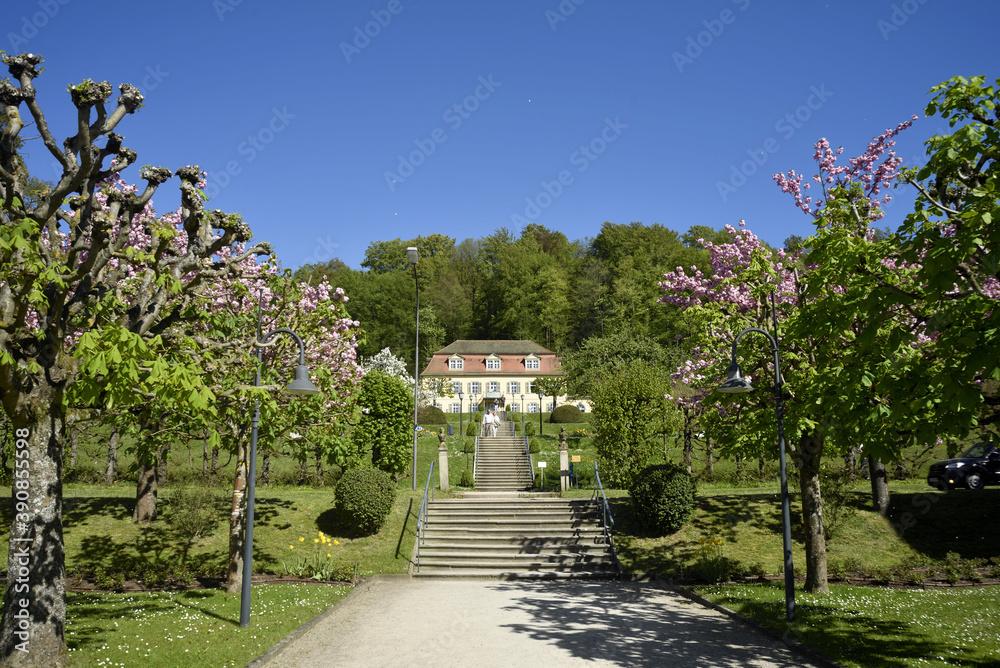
(529, 428)
(364, 498)
(662, 498)
(472, 429)
(567, 413)
(431, 415)
(533, 446)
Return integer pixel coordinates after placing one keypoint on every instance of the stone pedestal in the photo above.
(563, 461)
(442, 461)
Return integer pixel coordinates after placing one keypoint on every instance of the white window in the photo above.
(493, 386)
(582, 407)
(475, 387)
(549, 407)
(531, 363)
(532, 407)
(455, 408)
(515, 408)
(529, 387)
(455, 363)
(514, 387)
(456, 387)
(493, 363)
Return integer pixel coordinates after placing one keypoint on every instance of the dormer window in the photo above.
(493, 363)
(455, 363)
(531, 363)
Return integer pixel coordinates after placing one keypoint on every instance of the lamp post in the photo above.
(411, 258)
(540, 396)
(522, 413)
(737, 384)
(301, 386)
(461, 408)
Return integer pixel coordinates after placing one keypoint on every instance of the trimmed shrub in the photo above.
(472, 429)
(662, 498)
(469, 447)
(567, 413)
(466, 480)
(364, 498)
(431, 415)
(529, 428)
(533, 446)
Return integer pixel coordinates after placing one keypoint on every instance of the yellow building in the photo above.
(501, 373)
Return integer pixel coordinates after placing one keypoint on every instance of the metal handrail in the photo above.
(422, 517)
(608, 521)
(475, 463)
(531, 464)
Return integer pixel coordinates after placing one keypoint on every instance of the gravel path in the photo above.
(399, 621)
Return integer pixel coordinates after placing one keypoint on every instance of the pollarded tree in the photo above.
(60, 264)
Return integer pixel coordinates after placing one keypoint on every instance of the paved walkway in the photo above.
(441, 623)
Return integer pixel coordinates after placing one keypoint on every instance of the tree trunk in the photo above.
(145, 489)
(303, 472)
(234, 578)
(111, 470)
(34, 606)
(74, 446)
(880, 486)
(807, 459)
(688, 434)
(710, 459)
(161, 466)
(319, 465)
(761, 467)
(265, 469)
(215, 464)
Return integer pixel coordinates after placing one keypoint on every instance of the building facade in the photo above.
(494, 372)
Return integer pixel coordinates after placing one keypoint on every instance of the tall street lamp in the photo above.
(737, 384)
(411, 258)
(522, 408)
(461, 414)
(300, 386)
(540, 396)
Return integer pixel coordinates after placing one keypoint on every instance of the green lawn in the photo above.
(926, 526)
(193, 628)
(879, 627)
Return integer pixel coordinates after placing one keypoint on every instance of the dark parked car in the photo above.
(978, 466)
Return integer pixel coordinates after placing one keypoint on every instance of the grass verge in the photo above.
(873, 626)
(194, 627)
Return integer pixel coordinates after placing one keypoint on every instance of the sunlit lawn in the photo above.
(187, 628)
(876, 626)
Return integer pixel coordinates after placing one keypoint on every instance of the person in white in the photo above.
(488, 424)
(496, 423)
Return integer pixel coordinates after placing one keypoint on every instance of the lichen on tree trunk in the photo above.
(807, 457)
(35, 558)
(234, 576)
(880, 486)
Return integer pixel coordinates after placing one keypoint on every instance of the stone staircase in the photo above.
(515, 538)
(502, 464)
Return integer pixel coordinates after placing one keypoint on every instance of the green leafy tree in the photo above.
(630, 411)
(58, 284)
(385, 426)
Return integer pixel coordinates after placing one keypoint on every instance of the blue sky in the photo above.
(330, 125)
